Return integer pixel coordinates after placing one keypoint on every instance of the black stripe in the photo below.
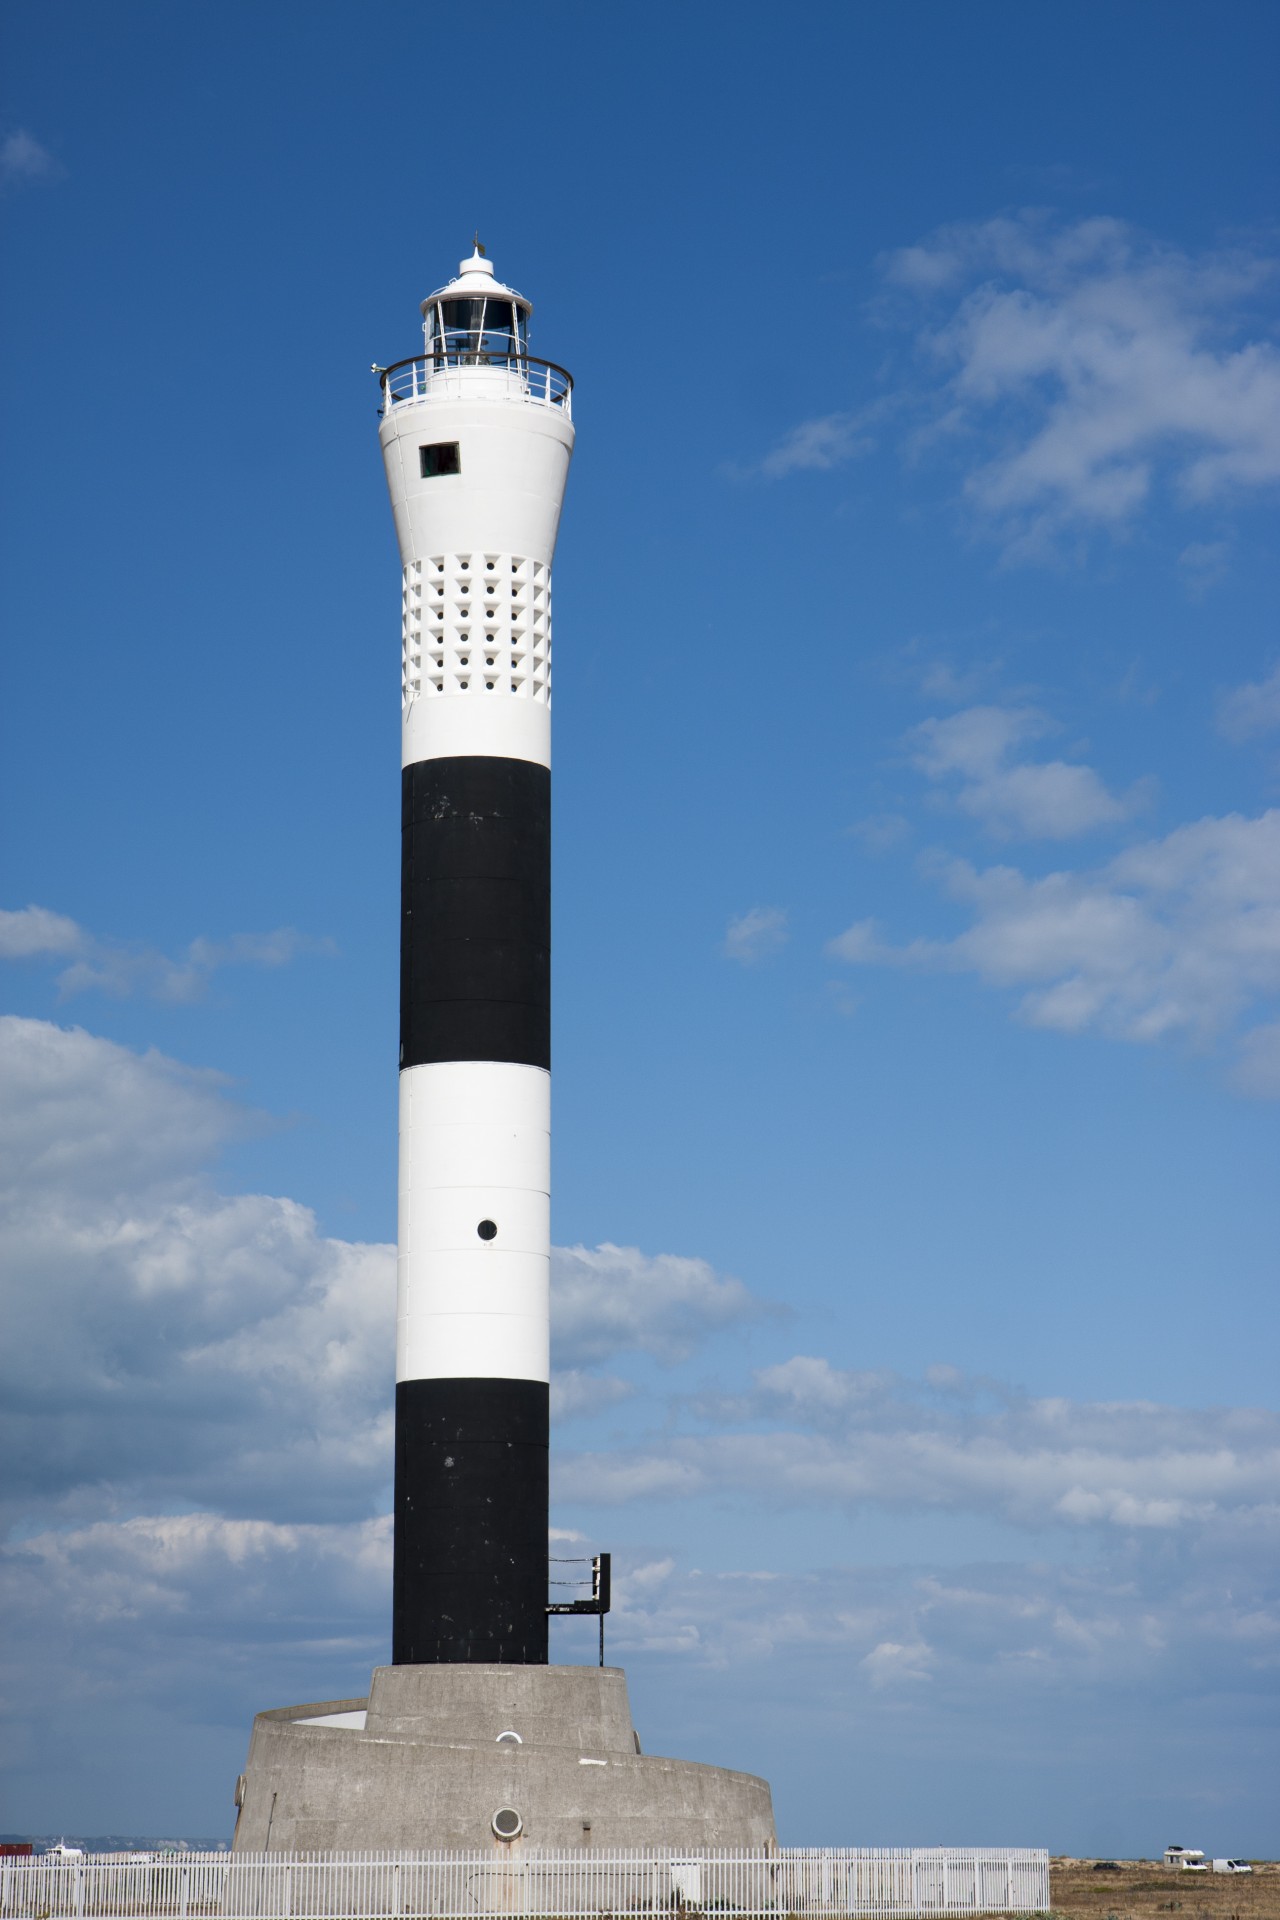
(470, 1570)
(475, 911)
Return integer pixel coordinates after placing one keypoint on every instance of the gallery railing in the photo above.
(466, 373)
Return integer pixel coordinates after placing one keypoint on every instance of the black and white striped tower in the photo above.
(477, 438)
(470, 1723)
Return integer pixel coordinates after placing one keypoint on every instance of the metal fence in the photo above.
(515, 376)
(894, 1882)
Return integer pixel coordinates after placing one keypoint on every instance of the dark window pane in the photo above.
(444, 457)
(463, 316)
(498, 327)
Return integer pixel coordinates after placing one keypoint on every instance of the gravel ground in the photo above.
(1142, 1890)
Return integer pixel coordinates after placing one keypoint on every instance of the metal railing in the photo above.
(893, 1882)
(459, 375)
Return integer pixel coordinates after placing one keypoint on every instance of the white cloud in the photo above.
(108, 966)
(1085, 365)
(122, 971)
(170, 1610)
(154, 1586)
(1079, 371)
(837, 1439)
(810, 1385)
(756, 934)
(828, 440)
(83, 1121)
(153, 1641)
(170, 1348)
(863, 944)
(1251, 709)
(22, 158)
(1010, 1631)
(1010, 796)
(1175, 936)
(36, 930)
(890, 1663)
(575, 1393)
(166, 1341)
(609, 1300)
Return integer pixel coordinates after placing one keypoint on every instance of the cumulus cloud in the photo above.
(23, 159)
(85, 1122)
(155, 1641)
(166, 1341)
(31, 931)
(121, 971)
(116, 1569)
(890, 1663)
(609, 1300)
(1100, 363)
(980, 749)
(1077, 369)
(1252, 709)
(197, 1578)
(197, 1390)
(1013, 1630)
(815, 1435)
(118, 969)
(828, 440)
(575, 1393)
(756, 935)
(191, 1621)
(1177, 936)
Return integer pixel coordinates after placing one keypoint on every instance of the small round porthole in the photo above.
(510, 1736)
(507, 1824)
(488, 1229)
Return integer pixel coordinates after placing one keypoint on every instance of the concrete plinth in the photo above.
(434, 1752)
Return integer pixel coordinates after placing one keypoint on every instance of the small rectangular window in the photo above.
(444, 457)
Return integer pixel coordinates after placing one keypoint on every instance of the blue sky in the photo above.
(917, 884)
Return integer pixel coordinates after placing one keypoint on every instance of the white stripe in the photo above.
(475, 1145)
(496, 726)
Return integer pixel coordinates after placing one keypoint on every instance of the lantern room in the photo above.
(475, 321)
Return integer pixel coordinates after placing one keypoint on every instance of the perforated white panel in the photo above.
(476, 624)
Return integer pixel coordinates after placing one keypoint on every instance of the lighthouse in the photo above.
(476, 437)
(470, 1738)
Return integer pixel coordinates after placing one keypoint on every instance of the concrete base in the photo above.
(431, 1756)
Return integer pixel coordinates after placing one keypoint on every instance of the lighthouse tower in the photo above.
(477, 437)
(470, 1739)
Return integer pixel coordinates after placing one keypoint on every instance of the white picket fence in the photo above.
(894, 1882)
